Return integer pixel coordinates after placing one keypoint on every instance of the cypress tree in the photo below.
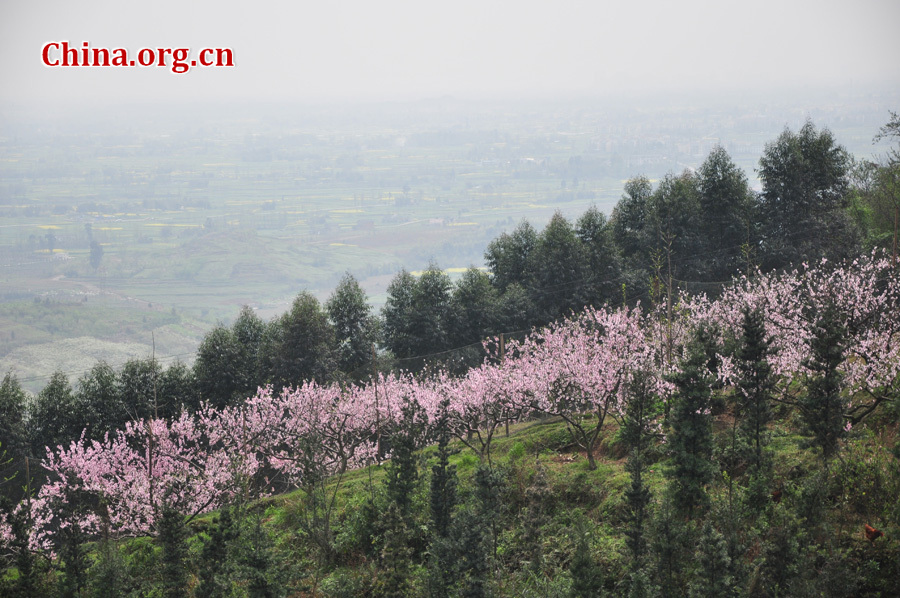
(488, 484)
(401, 482)
(779, 572)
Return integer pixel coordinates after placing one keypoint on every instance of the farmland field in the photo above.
(196, 213)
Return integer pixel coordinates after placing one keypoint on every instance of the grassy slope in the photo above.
(574, 492)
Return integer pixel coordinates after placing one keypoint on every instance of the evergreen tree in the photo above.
(690, 436)
(416, 313)
(399, 334)
(259, 566)
(214, 566)
(559, 263)
(218, 366)
(56, 418)
(401, 483)
(139, 388)
(443, 500)
(725, 215)
(473, 311)
(755, 386)
(355, 327)
(488, 486)
(671, 547)
(587, 580)
(641, 411)
(640, 585)
(509, 258)
(779, 572)
(13, 438)
(300, 346)
(604, 271)
(98, 394)
(250, 333)
(473, 558)
(177, 390)
(172, 538)
(515, 309)
(108, 576)
(712, 577)
(823, 403)
(431, 305)
(443, 479)
(630, 230)
(396, 555)
(27, 584)
(69, 540)
(403, 472)
(535, 517)
(673, 229)
(805, 180)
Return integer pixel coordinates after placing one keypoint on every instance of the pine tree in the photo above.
(639, 415)
(823, 405)
(403, 471)
(172, 538)
(640, 585)
(712, 578)
(690, 437)
(108, 575)
(754, 388)
(396, 555)
(214, 563)
(258, 562)
(671, 548)
(443, 479)
(443, 500)
(537, 497)
(587, 580)
(70, 539)
(473, 560)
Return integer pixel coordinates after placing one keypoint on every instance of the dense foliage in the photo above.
(628, 355)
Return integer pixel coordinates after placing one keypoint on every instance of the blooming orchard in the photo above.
(579, 370)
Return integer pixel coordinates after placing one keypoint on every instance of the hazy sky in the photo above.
(384, 49)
